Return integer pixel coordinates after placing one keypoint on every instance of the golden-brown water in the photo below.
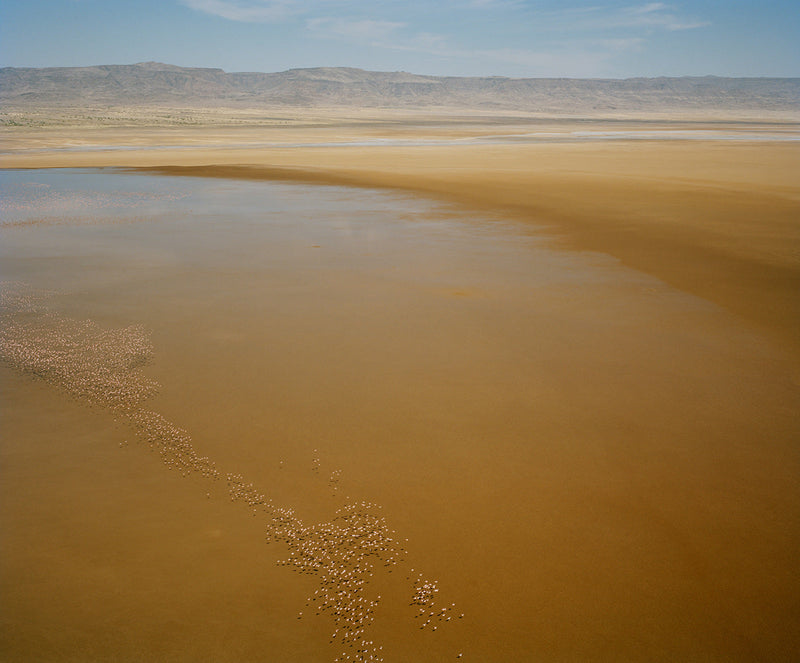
(584, 462)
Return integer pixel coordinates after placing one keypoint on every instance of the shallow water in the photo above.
(588, 464)
(787, 135)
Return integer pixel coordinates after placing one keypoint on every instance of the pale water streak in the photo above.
(787, 135)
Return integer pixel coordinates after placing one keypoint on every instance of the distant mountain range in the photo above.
(153, 83)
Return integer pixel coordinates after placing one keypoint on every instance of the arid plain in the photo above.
(577, 402)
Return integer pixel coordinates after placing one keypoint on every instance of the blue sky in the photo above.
(567, 38)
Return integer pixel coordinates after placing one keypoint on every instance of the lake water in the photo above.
(251, 421)
(771, 134)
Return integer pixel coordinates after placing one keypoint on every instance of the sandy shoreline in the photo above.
(718, 219)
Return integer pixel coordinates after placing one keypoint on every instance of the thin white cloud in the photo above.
(578, 61)
(623, 44)
(393, 35)
(650, 7)
(248, 11)
(495, 4)
(652, 15)
(428, 43)
(655, 15)
(365, 30)
(573, 57)
(573, 40)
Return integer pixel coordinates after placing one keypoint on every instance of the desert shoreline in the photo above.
(717, 219)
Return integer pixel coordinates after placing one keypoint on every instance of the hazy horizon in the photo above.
(376, 71)
(512, 38)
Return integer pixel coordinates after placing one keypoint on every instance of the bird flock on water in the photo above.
(104, 367)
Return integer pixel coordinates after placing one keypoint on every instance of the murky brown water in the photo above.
(585, 463)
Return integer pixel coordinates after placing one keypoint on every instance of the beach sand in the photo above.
(578, 402)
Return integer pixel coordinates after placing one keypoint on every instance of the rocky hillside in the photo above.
(153, 83)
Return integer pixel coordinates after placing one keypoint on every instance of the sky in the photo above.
(516, 38)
